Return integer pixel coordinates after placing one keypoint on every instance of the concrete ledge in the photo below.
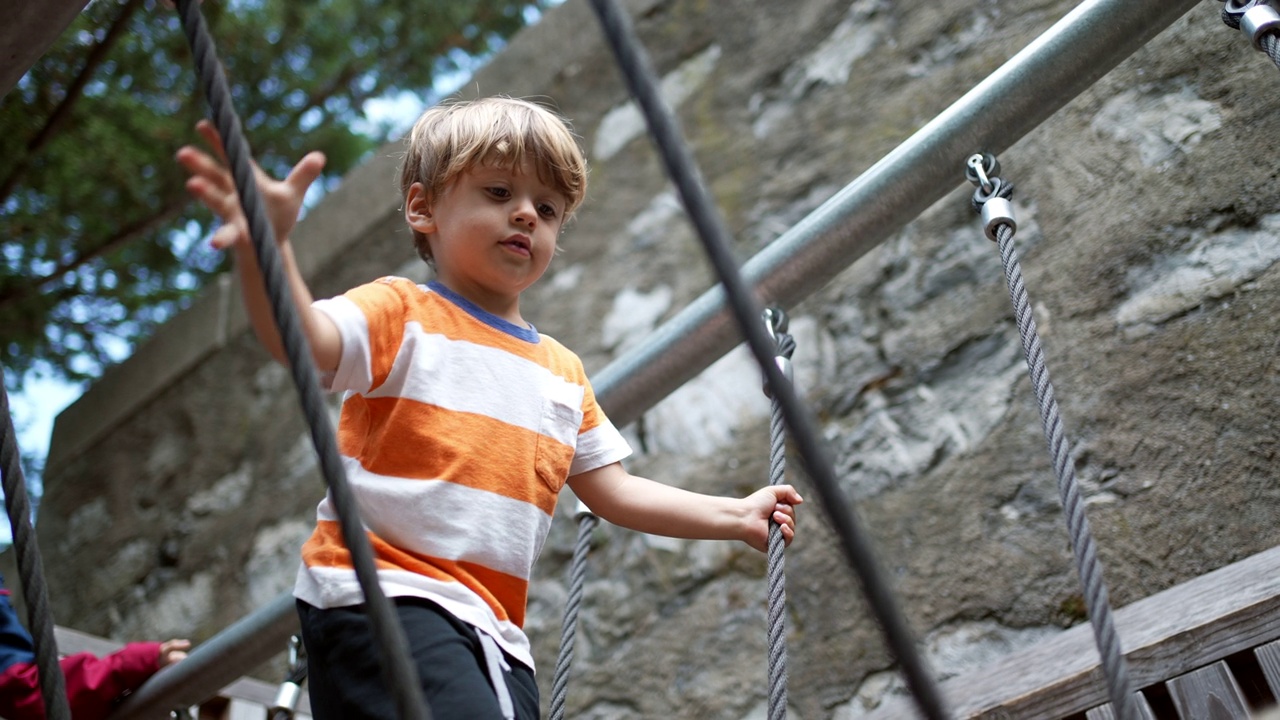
(27, 29)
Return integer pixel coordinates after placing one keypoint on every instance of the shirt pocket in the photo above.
(557, 442)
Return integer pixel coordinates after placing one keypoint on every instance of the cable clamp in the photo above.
(1258, 21)
(291, 689)
(776, 321)
(996, 212)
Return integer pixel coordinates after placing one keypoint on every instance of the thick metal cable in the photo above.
(777, 619)
(35, 590)
(398, 671)
(587, 523)
(1114, 667)
(635, 65)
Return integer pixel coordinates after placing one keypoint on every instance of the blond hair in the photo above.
(452, 138)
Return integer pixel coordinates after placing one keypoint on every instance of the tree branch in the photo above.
(53, 124)
(127, 234)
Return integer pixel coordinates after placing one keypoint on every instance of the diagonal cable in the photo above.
(1096, 600)
(35, 590)
(641, 79)
(993, 200)
(399, 674)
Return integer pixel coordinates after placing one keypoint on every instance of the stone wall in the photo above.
(179, 488)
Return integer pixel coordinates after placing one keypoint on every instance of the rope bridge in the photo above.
(1078, 49)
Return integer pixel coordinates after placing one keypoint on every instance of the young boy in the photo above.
(461, 423)
(93, 683)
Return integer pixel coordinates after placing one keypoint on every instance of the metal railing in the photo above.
(1056, 67)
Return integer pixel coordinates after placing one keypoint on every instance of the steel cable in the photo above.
(1000, 226)
(777, 579)
(398, 671)
(1096, 600)
(587, 523)
(35, 591)
(680, 167)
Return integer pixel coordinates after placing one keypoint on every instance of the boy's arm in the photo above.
(212, 184)
(646, 506)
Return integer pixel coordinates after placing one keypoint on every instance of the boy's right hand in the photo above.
(211, 183)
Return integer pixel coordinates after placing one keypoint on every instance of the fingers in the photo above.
(306, 172)
(213, 139)
(227, 236)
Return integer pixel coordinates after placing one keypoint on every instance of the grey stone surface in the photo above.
(1148, 232)
(27, 30)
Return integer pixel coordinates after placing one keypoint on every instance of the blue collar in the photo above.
(528, 334)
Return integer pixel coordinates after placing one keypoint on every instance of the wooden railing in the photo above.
(1208, 649)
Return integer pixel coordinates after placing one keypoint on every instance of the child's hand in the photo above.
(777, 503)
(211, 184)
(171, 651)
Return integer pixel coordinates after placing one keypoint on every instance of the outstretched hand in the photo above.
(211, 183)
(172, 651)
(776, 503)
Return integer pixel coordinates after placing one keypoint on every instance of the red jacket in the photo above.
(93, 684)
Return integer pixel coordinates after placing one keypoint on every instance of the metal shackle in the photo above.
(1257, 21)
(997, 211)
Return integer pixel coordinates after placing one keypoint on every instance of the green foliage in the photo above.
(98, 240)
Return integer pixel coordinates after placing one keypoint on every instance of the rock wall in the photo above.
(180, 487)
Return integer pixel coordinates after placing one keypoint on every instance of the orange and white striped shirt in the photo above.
(458, 431)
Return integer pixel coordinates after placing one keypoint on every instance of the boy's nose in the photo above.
(525, 214)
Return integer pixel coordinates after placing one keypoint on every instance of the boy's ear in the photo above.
(417, 210)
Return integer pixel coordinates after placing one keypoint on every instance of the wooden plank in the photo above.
(1173, 632)
(1211, 693)
(1269, 658)
(1106, 712)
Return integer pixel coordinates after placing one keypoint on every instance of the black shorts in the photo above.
(345, 682)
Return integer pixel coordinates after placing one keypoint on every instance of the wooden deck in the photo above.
(1208, 649)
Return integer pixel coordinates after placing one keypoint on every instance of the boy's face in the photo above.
(492, 233)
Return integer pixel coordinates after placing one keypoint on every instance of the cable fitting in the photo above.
(776, 322)
(993, 198)
(286, 699)
(997, 211)
(1257, 22)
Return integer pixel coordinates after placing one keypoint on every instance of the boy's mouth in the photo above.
(519, 243)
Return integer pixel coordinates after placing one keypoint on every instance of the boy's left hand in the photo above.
(776, 503)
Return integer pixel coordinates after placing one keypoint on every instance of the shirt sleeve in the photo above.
(370, 320)
(599, 442)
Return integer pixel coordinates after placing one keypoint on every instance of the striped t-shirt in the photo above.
(457, 431)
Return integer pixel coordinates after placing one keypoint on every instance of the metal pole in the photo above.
(1069, 57)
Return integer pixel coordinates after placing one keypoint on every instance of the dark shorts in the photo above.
(344, 678)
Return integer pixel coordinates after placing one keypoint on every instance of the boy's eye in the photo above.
(499, 192)
(548, 210)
